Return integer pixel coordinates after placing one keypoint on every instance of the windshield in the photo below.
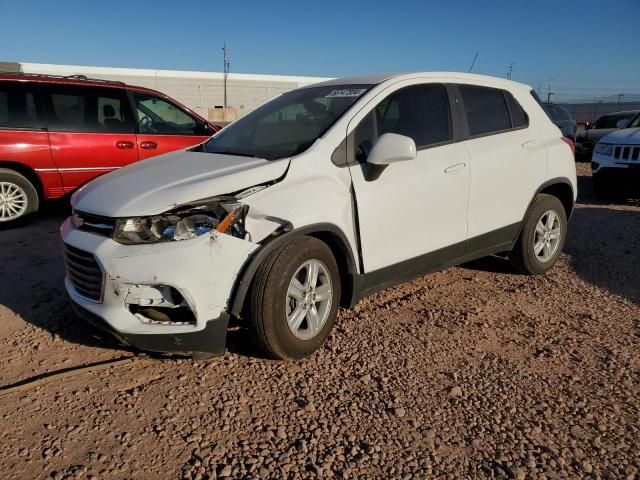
(288, 124)
(635, 123)
(611, 121)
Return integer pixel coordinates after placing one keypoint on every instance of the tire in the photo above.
(524, 257)
(270, 303)
(18, 196)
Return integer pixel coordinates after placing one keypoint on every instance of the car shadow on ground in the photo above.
(32, 277)
(603, 243)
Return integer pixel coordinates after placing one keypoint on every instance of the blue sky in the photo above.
(587, 47)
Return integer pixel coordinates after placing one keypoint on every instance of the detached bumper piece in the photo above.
(210, 342)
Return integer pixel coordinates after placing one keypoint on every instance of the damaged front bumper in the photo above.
(164, 297)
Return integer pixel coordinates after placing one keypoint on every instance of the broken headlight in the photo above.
(183, 224)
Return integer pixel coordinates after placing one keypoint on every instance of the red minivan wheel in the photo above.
(18, 196)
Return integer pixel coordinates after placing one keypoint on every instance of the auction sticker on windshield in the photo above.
(346, 92)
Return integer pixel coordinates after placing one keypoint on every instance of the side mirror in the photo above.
(624, 123)
(392, 148)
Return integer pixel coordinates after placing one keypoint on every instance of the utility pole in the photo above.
(510, 70)
(549, 91)
(620, 95)
(227, 62)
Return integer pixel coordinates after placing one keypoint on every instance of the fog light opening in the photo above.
(159, 305)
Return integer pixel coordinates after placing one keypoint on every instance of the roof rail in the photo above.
(69, 77)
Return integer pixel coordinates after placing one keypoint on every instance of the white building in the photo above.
(201, 91)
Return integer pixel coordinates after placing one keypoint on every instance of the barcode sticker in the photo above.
(346, 92)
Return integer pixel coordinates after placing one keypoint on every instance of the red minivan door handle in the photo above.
(124, 144)
(148, 145)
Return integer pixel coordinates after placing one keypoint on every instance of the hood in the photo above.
(626, 136)
(161, 183)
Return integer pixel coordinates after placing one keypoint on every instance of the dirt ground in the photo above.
(471, 372)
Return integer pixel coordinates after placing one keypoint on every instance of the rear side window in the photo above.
(486, 109)
(18, 106)
(420, 112)
(88, 109)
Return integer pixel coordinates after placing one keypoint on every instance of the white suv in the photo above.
(616, 162)
(314, 200)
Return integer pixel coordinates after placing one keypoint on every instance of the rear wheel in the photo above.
(18, 196)
(542, 237)
(294, 299)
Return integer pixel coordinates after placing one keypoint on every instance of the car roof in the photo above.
(72, 80)
(378, 78)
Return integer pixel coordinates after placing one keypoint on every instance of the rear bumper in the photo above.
(210, 342)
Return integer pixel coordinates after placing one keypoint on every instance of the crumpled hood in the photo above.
(161, 183)
(626, 136)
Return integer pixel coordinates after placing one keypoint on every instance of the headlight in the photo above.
(183, 224)
(604, 148)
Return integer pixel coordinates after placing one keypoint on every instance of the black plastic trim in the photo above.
(246, 276)
(210, 341)
(496, 241)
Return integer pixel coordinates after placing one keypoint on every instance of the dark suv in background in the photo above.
(57, 133)
(587, 139)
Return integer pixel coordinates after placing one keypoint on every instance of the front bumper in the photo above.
(202, 270)
(623, 173)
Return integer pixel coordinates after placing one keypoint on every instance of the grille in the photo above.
(84, 272)
(97, 224)
(626, 152)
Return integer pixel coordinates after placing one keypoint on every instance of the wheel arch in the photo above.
(328, 233)
(562, 189)
(28, 172)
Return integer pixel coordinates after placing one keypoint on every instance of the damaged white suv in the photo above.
(313, 200)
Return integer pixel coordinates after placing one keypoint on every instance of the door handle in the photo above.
(148, 145)
(124, 144)
(530, 144)
(455, 168)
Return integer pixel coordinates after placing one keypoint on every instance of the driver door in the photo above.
(413, 214)
(163, 127)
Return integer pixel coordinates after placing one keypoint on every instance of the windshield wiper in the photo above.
(231, 152)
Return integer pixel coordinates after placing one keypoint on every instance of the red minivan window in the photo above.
(91, 131)
(163, 127)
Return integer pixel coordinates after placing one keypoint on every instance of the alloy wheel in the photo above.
(309, 299)
(547, 236)
(13, 201)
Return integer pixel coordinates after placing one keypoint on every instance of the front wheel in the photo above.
(18, 197)
(294, 299)
(542, 237)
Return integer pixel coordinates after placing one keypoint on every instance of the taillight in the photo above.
(572, 145)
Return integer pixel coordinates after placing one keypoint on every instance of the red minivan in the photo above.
(57, 133)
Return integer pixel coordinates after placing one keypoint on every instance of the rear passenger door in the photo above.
(414, 207)
(164, 127)
(508, 163)
(91, 131)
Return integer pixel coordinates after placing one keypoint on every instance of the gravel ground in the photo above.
(470, 372)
